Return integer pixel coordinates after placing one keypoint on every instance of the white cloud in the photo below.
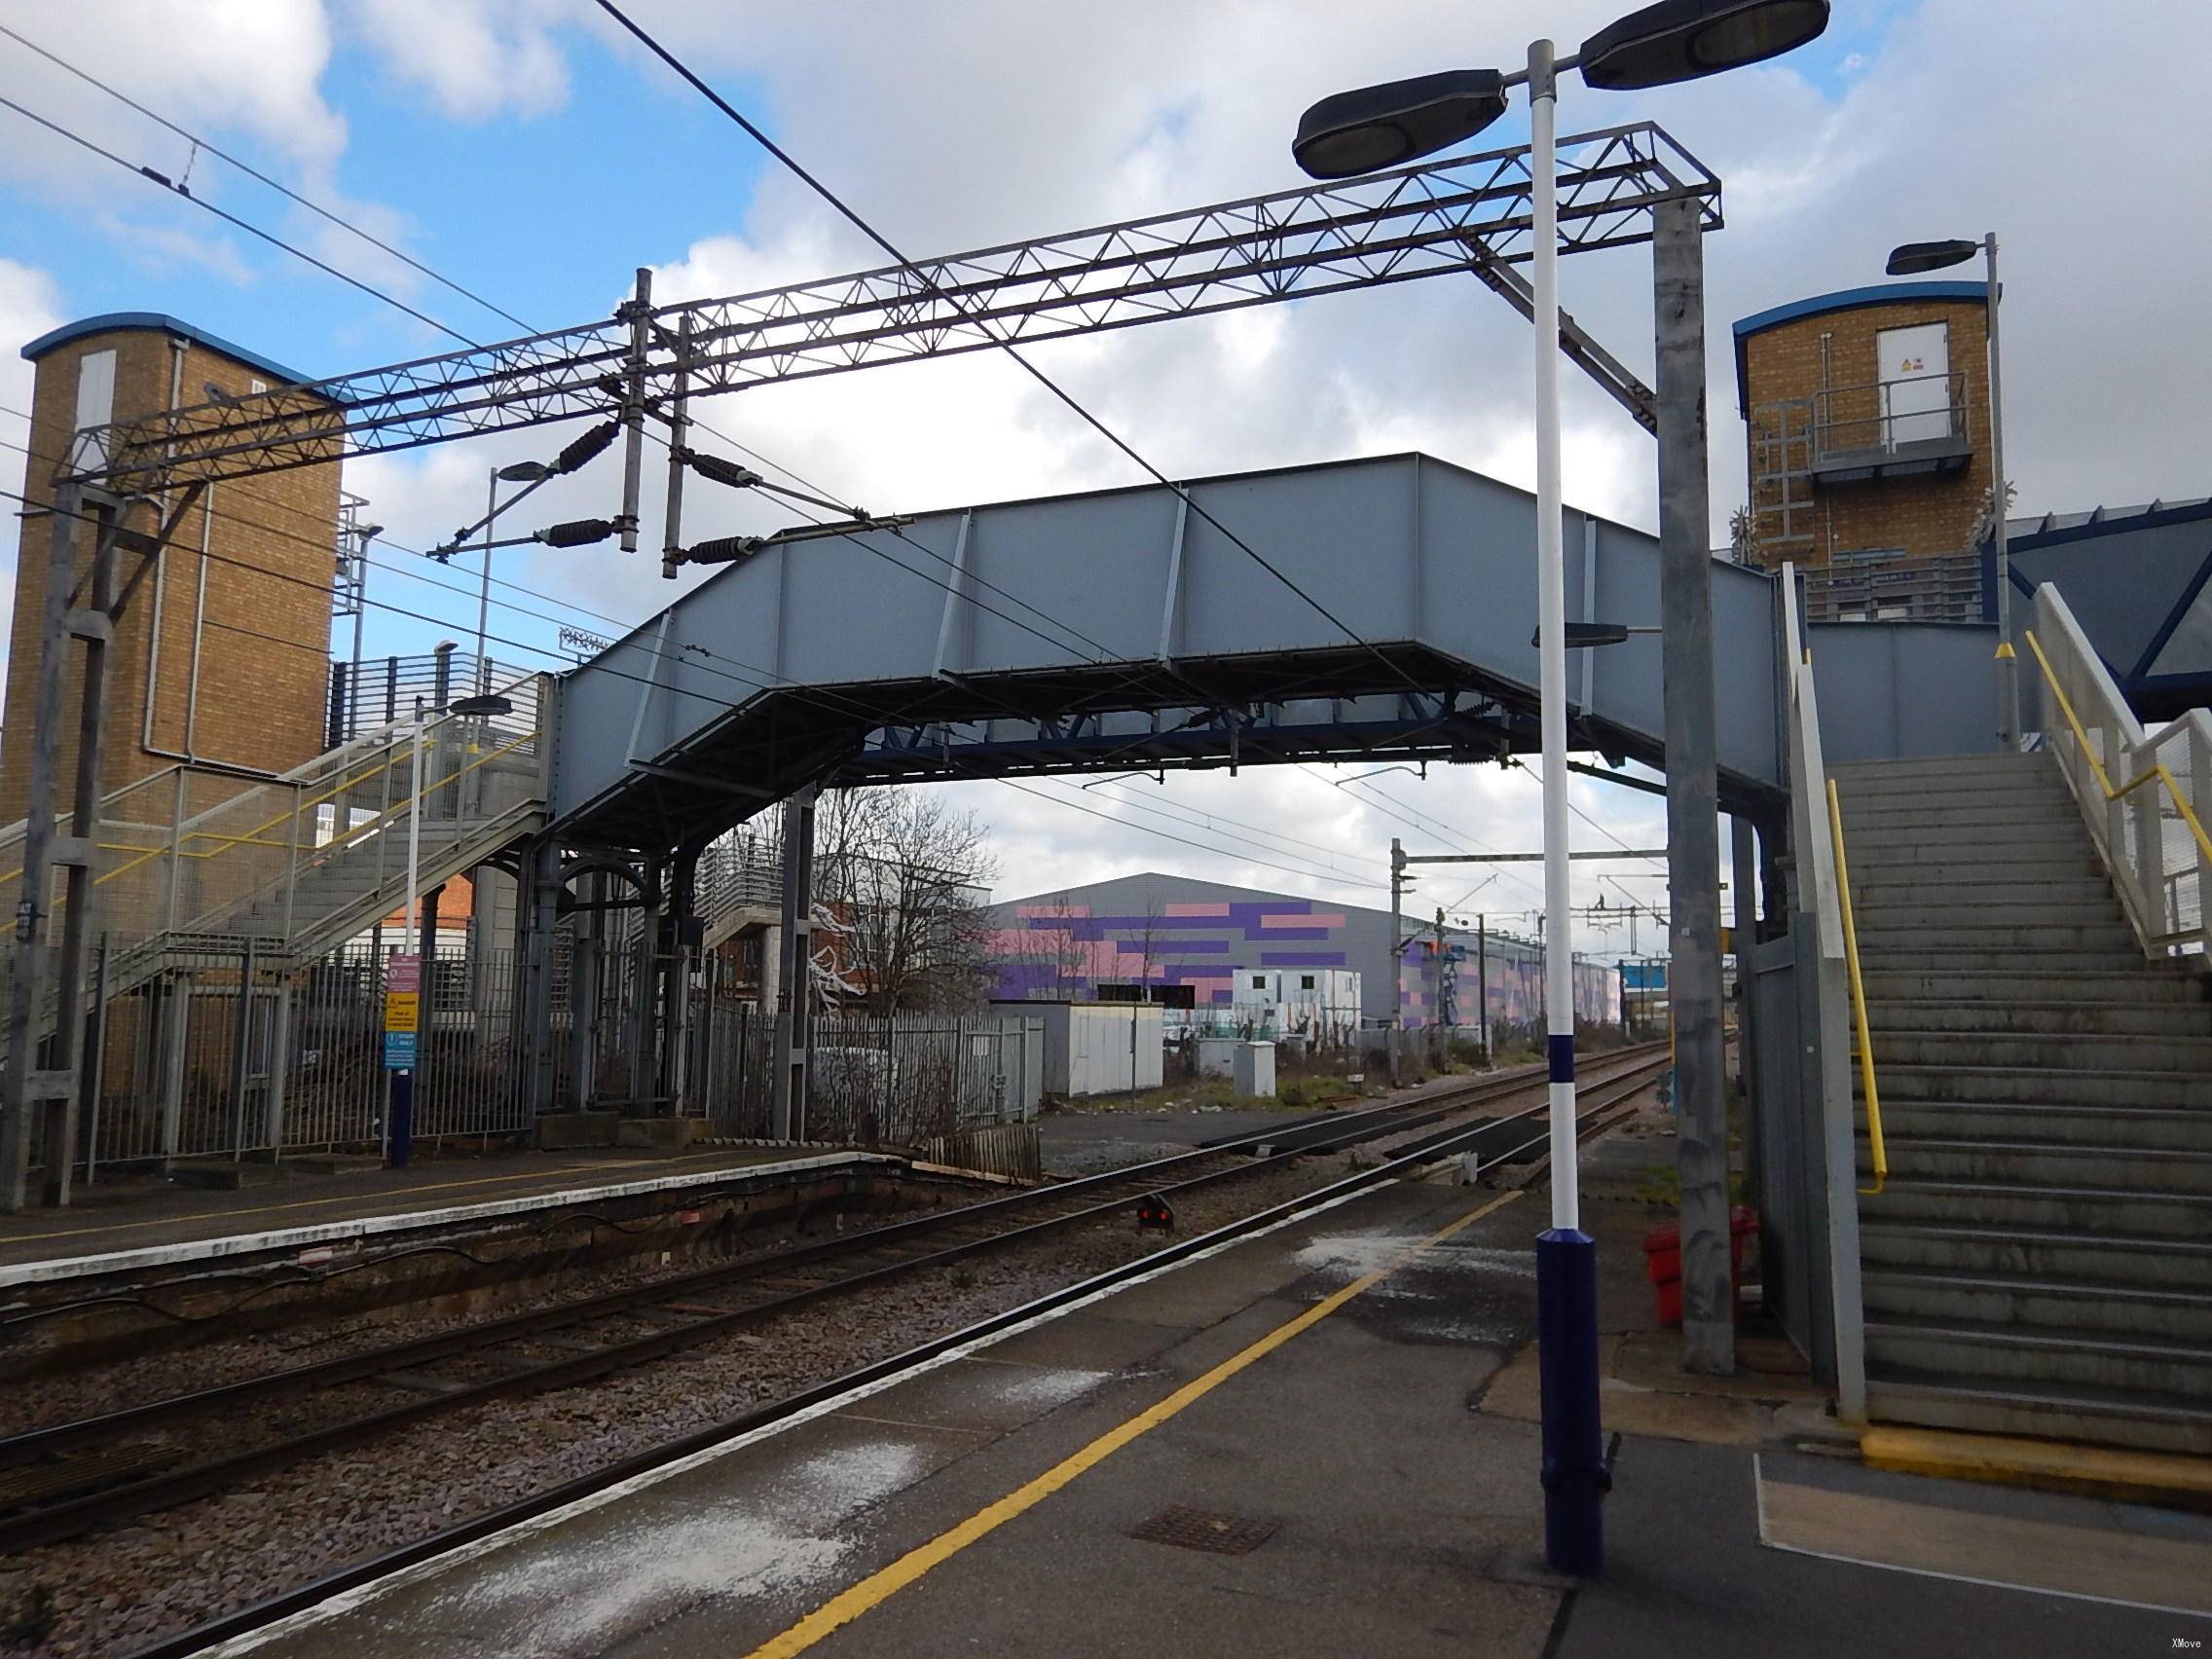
(30, 304)
(476, 59)
(251, 68)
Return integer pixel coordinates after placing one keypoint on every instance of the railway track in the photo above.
(1519, 1136)
(69, 1477)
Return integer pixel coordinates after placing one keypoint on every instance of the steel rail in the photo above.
(89, 1509)
(17, 1449)
(355, 1574)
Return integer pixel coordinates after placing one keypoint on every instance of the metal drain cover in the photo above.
(1206, 1530)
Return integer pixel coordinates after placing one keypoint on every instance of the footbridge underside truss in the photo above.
(1119, 630)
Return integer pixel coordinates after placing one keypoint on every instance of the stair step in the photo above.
(1979, 922)
(2058, 887)
(2038, 1205)
(1941, 820)
(1894, 955)
(2176, 1129)
(2114, 1418)
(2039, 1085)
(1963, 837)
(2070, 1253)
(2049, 1163)
(1891, 935)
(2016, 1302)
(1983, 764)
(2018, 1018)
(2042, 1049)
(2073, 1357)
(1943, 871)
(1941, 980)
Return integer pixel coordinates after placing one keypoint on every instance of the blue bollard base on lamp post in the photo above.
(1575, 1476)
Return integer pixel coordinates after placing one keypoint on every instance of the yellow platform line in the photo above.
(880, 1586)
(2051, 1465)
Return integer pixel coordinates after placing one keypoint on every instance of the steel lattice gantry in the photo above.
(1469, 214)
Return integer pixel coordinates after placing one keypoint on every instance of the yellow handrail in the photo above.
(1857, 998)
(2157, 770)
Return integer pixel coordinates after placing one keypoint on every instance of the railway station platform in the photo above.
(1316, 1440)
(137, 1226)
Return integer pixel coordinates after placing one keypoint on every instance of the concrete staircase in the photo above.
(2040, 1260)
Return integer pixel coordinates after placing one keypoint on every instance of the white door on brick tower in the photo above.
(1916, 383)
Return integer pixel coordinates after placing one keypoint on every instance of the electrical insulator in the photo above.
(721, 550)
(721, 471)
(577, 532)
(585, 447)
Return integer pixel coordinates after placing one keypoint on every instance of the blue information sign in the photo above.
(399, 1051)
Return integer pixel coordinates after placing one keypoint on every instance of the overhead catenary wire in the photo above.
(259, 176)
(160, 179)
(1212, 817)
(245, 522)
(1007, 346)
(156, 177)
(1146, 828)
(169, 186)
(1160, 811)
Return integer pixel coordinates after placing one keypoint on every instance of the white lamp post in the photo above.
(1378, 127)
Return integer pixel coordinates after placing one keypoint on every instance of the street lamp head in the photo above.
(525, 472)
(1350, 133)
(1681, 40)
(1909, 259)
(368, 533)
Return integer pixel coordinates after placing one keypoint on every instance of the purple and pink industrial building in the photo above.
(1225, 945)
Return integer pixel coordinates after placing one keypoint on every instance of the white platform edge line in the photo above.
(1758, 1476)
(346, 1600)
(250, 1243)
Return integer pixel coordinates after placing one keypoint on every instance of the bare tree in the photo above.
(906, 878)
(1053, 956)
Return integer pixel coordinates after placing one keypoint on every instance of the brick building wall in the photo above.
(262, 620)
(1924, 516)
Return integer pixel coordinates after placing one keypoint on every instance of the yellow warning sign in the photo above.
(403, 1011)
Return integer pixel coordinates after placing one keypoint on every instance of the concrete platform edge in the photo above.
(358, 1226)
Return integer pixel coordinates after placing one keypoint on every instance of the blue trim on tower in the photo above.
(1561, 1049)
(1843, 300)
(113, 322)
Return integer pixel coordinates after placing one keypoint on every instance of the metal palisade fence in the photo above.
(231, 1051)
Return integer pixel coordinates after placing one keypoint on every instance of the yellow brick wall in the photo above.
(1924, 516)
(263, 654)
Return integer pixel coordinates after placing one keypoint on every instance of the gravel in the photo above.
(168, 1572)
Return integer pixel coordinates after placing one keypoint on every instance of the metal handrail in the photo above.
(1857, 999)
(1956, 411)
(2155, 771)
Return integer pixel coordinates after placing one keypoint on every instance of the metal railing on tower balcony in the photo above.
(1888, 419)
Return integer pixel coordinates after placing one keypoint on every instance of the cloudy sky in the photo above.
(523, 150)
